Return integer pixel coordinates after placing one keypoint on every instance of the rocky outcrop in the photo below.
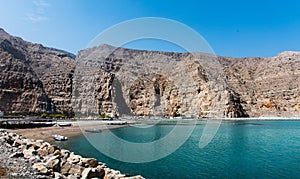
(265, 86)
(124, 82)
(34, 78)
(58, 163)
(171, 84)
(20, 88)
(148, 83)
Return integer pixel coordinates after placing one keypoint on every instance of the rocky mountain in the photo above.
(144, 83)
(116, 81)
(33, 77)
(265, 86)
(188, 84)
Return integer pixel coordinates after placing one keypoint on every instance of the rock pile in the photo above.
(26, 158)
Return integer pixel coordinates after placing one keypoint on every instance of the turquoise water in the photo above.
(247, 149)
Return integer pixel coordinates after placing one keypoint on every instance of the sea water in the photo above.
(240, 149)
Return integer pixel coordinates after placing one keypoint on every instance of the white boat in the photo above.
(60, 137)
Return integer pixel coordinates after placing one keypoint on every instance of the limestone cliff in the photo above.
(118, 81)
(148, 83)
(265, 86)
(172, 84)
(34, 78)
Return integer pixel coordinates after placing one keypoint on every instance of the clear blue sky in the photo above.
(232, 27)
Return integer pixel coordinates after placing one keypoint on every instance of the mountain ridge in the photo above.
(253, 86)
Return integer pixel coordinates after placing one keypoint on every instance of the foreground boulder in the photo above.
(91, 162)
(41, 168)
(89, 173)
(49, 161)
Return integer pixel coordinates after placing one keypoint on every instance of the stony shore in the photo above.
(28, 158)
(76, 129)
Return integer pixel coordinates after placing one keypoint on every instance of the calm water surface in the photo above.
(247, 149)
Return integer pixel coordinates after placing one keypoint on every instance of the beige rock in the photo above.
(42, 152)
(65, 153)
(57, 175)
(32, 148)
(65, 168)
(40, 167)
(89, 173)
(27, 153)
(76, 169)
(45, 145)
(57, 152)
(51, 149)
(54, 163)
(74, 159)
(22, 147)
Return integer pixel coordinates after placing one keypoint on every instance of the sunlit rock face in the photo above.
(149, 83)
(265, 86)
(188, 84)
(123, 82)
(34, 78)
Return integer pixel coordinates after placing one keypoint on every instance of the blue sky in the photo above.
(232, 28)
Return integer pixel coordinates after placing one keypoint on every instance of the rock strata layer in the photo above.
(33, 77)
(116, 81)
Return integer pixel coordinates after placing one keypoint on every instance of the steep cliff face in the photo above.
(33, 77)
(118, 81)
(171, 84)
(20, 88)
(266, 86)
(151, 83)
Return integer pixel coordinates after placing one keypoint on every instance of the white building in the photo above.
(1, 114)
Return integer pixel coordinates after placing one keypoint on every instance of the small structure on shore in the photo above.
(1, 114)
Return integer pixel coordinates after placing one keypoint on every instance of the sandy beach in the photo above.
(77, 128)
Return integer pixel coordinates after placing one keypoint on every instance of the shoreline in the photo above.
(22, 157)
(76, 129)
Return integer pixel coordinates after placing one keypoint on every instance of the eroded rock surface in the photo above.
(33, 77)
(118, 81)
